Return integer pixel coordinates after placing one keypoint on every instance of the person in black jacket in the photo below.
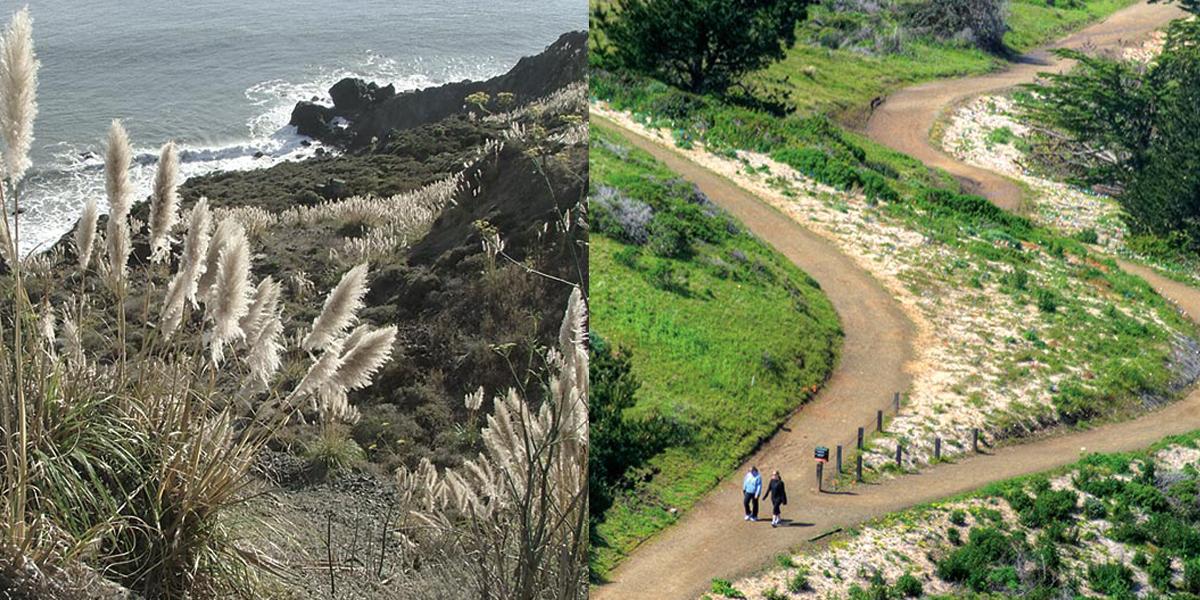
(778, 495)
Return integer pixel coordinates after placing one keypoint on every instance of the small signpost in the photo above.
(821, 454)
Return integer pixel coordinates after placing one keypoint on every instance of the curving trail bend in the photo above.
(711, 540)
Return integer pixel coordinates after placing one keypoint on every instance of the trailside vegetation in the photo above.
(1131, 130)
(680, 287)
(700, 45)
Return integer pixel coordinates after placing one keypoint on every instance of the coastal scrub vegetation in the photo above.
(1081, 341)
(680, 287)
(1129, 129)
(170, 371)
(1111, 525)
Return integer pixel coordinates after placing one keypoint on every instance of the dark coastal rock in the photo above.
(351, 94)
(312, 119)
(375, 111)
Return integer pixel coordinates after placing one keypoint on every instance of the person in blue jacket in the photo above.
(751, 488)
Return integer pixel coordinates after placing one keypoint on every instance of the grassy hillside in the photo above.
(1112, 525)
(850, 55)
(726, 336)
(831, 70)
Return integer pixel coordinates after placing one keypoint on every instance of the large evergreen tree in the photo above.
(700, 45)
(1133, 128)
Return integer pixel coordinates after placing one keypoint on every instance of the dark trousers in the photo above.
(750, 503)
(775, 504)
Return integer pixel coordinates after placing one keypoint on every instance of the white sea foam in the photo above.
(53, 196)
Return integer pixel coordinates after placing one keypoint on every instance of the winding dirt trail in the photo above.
(711, 540)
(906, 118)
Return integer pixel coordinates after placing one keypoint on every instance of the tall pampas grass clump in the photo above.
(517, 514)
(127, 437)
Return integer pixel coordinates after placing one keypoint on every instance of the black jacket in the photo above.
(776, 491)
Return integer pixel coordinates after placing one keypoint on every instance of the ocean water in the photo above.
(220, 77)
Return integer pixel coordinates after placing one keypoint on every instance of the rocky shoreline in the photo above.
(367, 114)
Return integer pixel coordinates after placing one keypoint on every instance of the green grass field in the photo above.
(727, 342)
(843, 82)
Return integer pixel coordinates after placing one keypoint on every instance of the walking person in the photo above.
(778, 495)
(751, 488)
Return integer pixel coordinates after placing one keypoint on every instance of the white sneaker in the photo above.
(747, 518)
(754, 519)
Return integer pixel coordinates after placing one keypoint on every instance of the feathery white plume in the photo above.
(183, 284)
(340, 310)
(361, 361)
(118, 154)
(263, 358)
(18, 93)
(72, 342)
(230, 297)
(264, 304)
(319, 374)
(85, 234)
(227, 230)
(164, 211)
(117, 157)
(474, 400)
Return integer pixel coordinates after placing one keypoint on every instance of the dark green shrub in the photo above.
(725, 588)
(1159, 571)
(953, 536)
(1112, 578)
(669, 236)
(908, 586)
(799, 582)
(1191, 575)
(958, 517)
(1087, 236)
(973, 563)
(1047, 301)
(1094, 509)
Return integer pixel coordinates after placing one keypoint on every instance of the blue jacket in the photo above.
(752, 484)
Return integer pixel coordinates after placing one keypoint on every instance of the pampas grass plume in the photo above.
(362, 360)
(230, 297)
(164, 211)
(340, 310)
(85, 234)
(18, 93)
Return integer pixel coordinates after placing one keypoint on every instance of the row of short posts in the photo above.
(858, 466)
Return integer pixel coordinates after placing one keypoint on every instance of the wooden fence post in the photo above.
(860, 438)
(839, 459)
(937, 448)
(858, 470)
(879, 420)
(975, 439)
(899, 452)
